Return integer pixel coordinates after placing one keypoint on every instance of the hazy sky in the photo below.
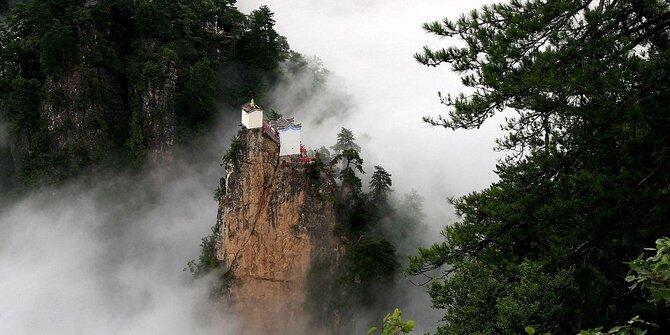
(369, 44)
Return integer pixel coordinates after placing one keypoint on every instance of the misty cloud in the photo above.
(369, 46)
(318, 97)
(108, 258)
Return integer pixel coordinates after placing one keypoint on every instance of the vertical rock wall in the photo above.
(273, 225)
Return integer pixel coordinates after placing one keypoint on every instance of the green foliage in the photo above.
(342, 291)
(7, 183)
(403, 223)
(631, 328)
(352, 162)
(145, 73)
(650, 273)
(208, 264)
(380, 186)
(393, 325)
(306, 76)
(7, 5)
(324, 155)
(314, 171)
(232, 155)
(58, 49)
(653, 273)
(207, 261)
(585, 184)
(412, 204)
(345, 141)
(197, 103)
(274, 115)
(262, 50)
(371, 263)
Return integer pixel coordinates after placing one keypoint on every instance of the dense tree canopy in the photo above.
(373, 227)
(6, 5)
(125, 77)
(585, 186)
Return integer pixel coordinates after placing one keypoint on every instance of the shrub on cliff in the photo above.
(233, 153)
(206, 261)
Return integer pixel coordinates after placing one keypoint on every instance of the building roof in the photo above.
(291, 127)
(284, 123)
(251, 107)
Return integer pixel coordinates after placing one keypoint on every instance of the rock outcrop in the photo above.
(273, 224)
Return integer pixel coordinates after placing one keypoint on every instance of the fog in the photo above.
(106, 256)
(383, 92)
(369, 47)
(108, 259)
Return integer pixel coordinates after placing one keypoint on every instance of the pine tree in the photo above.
(274, 115)
(345, 140)
(585, 185)
(412, 204)
(407, 227)
(352, 162)
(380, 186)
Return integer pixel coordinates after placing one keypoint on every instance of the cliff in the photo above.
(110, 85)
(273, 224)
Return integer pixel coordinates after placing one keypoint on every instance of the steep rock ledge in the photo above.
(272, 225)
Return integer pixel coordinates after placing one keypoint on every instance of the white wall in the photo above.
(252, 120)
(290, 141)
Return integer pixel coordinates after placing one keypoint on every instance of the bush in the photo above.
(233, 153)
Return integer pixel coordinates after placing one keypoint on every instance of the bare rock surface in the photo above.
(273, 223)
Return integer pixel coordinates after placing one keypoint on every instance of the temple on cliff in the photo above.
(282, 130)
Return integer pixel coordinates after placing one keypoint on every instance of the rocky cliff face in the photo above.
(78, 106)
(273, 224)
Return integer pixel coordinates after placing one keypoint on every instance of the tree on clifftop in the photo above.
(585, 186)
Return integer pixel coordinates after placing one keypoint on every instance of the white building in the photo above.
(289, 140)
(289, 136)
(252, 115)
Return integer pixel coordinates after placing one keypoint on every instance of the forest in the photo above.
(572, 238)
(132, 78)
